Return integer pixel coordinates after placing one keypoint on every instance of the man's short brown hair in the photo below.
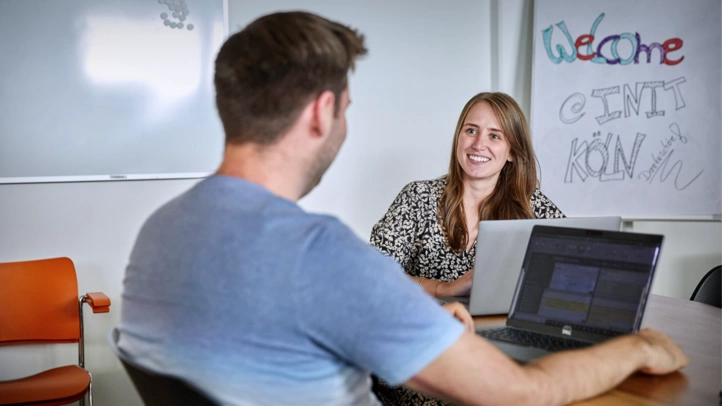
(266, 73)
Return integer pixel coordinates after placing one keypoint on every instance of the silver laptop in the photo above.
(576, 288)
(500, 248)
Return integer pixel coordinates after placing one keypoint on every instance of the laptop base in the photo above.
(519, 353)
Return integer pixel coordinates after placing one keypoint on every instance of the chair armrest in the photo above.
(98, 301)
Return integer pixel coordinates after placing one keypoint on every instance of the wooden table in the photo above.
(697, 328)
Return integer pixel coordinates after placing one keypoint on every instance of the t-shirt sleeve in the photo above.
(381, 322)
(396, 233)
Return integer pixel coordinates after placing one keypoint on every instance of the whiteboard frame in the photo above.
(120, 177)
(103, 178)
(715, 218)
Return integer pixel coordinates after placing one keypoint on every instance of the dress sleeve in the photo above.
(396, 234)
(543, 207)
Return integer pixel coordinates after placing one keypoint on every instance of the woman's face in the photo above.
(482, 150)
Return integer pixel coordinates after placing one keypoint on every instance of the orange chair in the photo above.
(39, 304)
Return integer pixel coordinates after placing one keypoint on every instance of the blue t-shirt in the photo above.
(247, 296)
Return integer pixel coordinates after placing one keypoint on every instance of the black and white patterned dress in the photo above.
(411, 233)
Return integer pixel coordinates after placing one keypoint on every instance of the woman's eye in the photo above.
(495, 136)
(471, 131)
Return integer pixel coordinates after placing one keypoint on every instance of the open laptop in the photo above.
(577, 287)
(500, 248)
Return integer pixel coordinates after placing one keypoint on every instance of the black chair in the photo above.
(709, 288)
(157, 389)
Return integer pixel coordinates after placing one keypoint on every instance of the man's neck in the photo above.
(267, 166)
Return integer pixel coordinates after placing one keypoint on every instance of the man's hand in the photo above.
(458, 310)
(473, 371)
(663, 355)
(458, 287)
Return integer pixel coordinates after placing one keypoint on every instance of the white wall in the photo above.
(689, 251)
(95, 223)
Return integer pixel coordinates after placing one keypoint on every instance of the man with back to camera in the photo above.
(232, 287)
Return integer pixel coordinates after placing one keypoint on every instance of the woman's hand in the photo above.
(459, 287)
(458, 310)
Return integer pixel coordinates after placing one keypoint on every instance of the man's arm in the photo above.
(474, 372)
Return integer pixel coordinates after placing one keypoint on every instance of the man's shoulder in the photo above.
(238, 212)
(330, 242)
(330, 230)
(229, 196)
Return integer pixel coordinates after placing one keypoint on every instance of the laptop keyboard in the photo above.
(531, 339)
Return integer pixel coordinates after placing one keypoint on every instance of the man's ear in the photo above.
(323, 109)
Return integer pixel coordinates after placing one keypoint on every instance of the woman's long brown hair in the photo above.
(517, 180)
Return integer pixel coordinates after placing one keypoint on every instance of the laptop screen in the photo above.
(586, 280)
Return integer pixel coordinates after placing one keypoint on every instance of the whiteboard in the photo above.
(618, 131)
(108, 90)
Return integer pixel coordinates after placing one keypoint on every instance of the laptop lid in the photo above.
(586, 284)
(500, 249)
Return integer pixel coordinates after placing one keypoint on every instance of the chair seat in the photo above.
(64, 384)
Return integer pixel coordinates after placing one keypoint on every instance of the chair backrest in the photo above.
(158, 389)
(709, 289)
(161, 390)
(39, 302)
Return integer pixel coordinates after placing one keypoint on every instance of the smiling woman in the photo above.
(482, 149)
(431, 226)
